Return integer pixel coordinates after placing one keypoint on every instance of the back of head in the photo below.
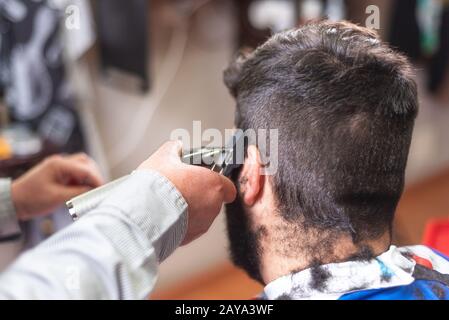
(344, 104)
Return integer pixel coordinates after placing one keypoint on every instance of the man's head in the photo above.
(344, 104)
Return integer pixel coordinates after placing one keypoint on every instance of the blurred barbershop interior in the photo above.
(115, 78)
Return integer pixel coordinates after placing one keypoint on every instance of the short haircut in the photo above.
(345, 104)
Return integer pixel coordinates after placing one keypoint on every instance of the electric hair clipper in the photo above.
(220, 160)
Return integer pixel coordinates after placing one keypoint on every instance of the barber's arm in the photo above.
(114, 251)
(44, 188)
(9, 225)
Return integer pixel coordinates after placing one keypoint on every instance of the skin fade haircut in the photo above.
(345, 104)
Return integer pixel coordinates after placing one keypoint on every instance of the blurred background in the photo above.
(114, 78)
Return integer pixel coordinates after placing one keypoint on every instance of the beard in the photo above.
(244, 244)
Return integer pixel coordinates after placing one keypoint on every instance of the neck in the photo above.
(306, 253)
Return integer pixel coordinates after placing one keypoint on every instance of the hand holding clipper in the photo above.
(220, 160)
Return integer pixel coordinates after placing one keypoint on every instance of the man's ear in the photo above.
(251, 181)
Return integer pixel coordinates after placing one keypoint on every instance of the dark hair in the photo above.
(344, 104)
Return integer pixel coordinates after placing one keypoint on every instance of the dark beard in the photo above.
(244, 244)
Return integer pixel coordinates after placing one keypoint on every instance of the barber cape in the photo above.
(405, 273)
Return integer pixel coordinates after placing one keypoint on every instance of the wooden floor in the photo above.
(423, 201)
(225, 282)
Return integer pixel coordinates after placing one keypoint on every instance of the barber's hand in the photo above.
(54, 181)
(204, 190)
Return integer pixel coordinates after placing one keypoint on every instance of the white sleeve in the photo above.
(9, 226)
(112, 252)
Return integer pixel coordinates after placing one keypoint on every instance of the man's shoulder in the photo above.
(430, 274)
(417, 290)
(420, 253)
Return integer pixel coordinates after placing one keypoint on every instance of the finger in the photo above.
(80, 173)
(84, 159)
(94, 167)
(66, 193)
(229, 190)
(81, 157)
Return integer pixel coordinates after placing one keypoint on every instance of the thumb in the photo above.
(229, 189)
(171, 150)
